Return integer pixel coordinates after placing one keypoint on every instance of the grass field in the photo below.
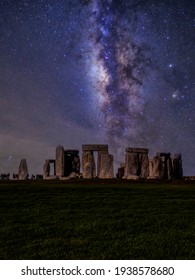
(97, 219)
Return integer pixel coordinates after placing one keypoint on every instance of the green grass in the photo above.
(97, 219)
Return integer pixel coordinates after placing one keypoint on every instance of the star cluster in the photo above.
(91, 71)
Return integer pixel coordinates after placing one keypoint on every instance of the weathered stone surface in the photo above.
(161, 166)
(46, 169)
(73, 175)
(71, 162)
(76, 164)
(100, 153)
(136, 150)
(60, 161)
(23, 170)
(67, 161)
(132, 177)
(95, 147)
(169, 168)
(106, 166)
(144, 164)
(131, 164)
(121, 172)
(156, 168)
(177, 166)
(88, 165)
(136, 162)
(71, 152)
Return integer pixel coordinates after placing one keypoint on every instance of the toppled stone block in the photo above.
(132, 177)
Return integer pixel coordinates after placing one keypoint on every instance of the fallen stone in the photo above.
(73, 175)
(132, 177)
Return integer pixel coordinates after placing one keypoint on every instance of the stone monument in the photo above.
(23, 170)
(59, 161)
(104, 168)
(177, 166)
(136, 163)
(160, 167)
(47, 169)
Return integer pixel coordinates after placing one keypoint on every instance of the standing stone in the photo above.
(60, 161)
(156, 168)
(99, 161)
(161, 167)
(177, 167)
(121, 171)
(23, 170)
(46, 169)
(166, 165)
(169, 168)
(144, 162)
(88, 165)
(131, 164)
(151, 170)
(76, 164)
(71, 162)
(136, 163)
(106, 166)
(88, 161)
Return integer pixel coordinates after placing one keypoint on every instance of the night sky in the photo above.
(87, 71)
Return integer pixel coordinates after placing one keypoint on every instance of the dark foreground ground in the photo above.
(97, 219)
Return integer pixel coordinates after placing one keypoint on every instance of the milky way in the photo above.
(120, 65)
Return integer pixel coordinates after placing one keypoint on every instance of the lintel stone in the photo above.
(136, 150)
(95, 147)
(71, 152)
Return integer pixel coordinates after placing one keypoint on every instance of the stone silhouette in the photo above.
(60, 161)
(47, 169)
(23, 170)
(177, 166)
(106, 166)
(162, 166)
(71, 162)
(121, 171)
(136, 163)
(104, 162)
(156, 168)
(67, 162)
(88, 165)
